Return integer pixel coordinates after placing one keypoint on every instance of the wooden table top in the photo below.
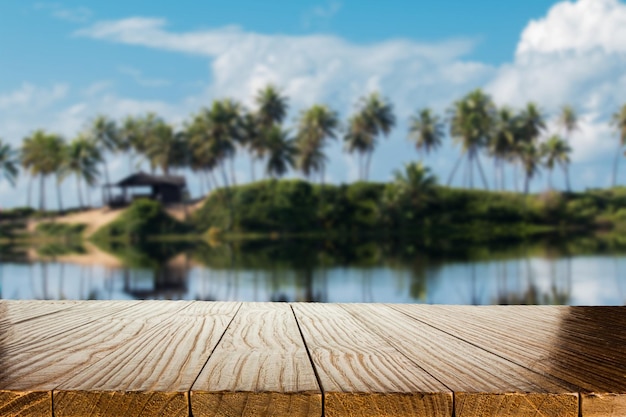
(182, 358)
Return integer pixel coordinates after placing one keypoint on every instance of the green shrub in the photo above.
(144, 218)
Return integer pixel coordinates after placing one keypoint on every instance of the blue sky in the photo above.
(61, 63)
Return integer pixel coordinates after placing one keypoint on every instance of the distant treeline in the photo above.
(207, 143)
(411, 204)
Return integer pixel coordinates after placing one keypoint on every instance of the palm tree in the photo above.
(530, 125)
(416, 179)
(426, 130)
(82, 160)
(103, 131)
(315, 126)
(532, 122)
(281, 152)
(251, 138)
(59, 149)
(530, 158)
(272, 107)
(378, 116)
(160, 145)
(212, 135)
(568, 120)
(42, 155)
(556, 151)
(9, 162)
(129, 137)
(413, 188)
(618, 121)
(471, 125)
(359, 138)
(502, 142)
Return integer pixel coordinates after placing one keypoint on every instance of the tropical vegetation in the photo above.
(208, 142)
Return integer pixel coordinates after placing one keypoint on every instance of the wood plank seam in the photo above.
(560, 380)
(308, 352)
(209, 357)
(397, 349)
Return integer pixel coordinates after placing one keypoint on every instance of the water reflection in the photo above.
(551, 271)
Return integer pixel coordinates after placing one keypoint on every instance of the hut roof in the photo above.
(142, 179)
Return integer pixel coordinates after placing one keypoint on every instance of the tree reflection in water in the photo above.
(338, 270)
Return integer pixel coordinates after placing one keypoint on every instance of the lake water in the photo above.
(574, 271)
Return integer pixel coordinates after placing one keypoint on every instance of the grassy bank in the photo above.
(292, 208)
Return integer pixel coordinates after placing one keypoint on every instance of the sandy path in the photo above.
(178, 211)
(94, 219)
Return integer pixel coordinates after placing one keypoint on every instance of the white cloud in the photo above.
(575, 55)
(32, 97)
(311, 68)
(74, 15)
(578, 27)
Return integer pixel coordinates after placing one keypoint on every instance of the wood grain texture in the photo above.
(25, 404)
(478, 377)
(578, 345)
(260, 368)
(603, 405)
(17, 311)
(36, 350)
(159, 358)
(515, 404)
(151, 372)
(363, 375)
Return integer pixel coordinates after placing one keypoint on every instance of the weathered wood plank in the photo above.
(17, 311)
(260, 368)
(575, 344)
(151, 372)
(363, 375)
(36, 351)
(483, 383)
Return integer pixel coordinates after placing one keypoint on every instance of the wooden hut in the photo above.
(167, 189)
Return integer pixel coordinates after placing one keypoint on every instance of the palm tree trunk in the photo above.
(456, 166)
(232, 170)
(526, 184)
(106, 178)
(482, 173)
(252, 174)
(30, 189)
(550, 179)
(209, 183)
(80, 193)
(215, 181)
(42, 193)
(368, 160)
(496, 174)
(566, 172)
(471, 169)
(59, 194)
(224, 175)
